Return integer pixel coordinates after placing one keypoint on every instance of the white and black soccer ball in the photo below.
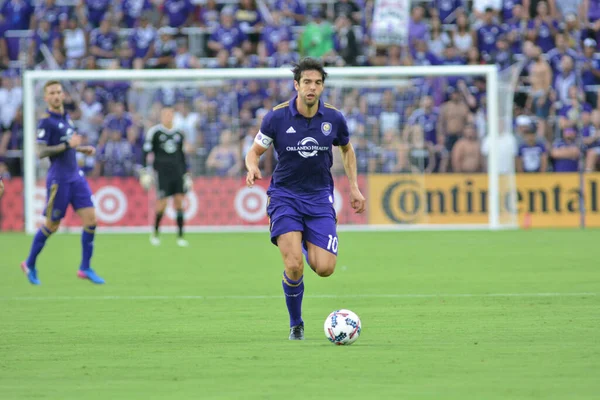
(342, 327)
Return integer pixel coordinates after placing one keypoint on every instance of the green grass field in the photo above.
(446, 315)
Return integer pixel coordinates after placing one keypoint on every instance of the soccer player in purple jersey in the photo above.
(303, 132)
(65, 183)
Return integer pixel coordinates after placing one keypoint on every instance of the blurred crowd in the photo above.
(421, 124)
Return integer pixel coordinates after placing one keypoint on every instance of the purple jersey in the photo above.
(17, 14)
(447, 9)
(96, 10)
(177, 11)
(53, 14)
(587, 66)
(487, 36)
(141, 39)
(121, 124)
(304, 149)
(272, 35)
(229, 37)
(544, 35)
(54, 129)
(507, 7)
(555, 55)
(106, 42)
(564, 164)
(132, 10)
(531, 156)
(428, 121)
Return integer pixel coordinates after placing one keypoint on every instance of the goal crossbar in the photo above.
(490, 72)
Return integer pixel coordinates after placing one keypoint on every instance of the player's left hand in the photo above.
(87, 150)
(188, 184)
(357, 200)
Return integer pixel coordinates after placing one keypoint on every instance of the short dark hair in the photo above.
(308, 64)
(50, 83)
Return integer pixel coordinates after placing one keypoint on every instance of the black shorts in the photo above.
(169, 184)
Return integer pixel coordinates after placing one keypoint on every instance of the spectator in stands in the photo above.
(446, 10)
(165, 49)
(103, 42)
(515, 27)
(452, 121)
(555, 55)
(272, 34)
(393, 157)
(538, 101)
(565, 79)
(346, 45)
(11, 139)
(575, 111)
(293, 11)
(438, 40)
(186, 120)
(483, 9)
(91, 119)
(16, 14)
(421, 153)
(487, 35)
(74, 44)
(348, 9)
(131, 11)
(208, 15)
(565, 152)
(142, 40)
(465, 154)
(317, 37)
(115, 157)
(250, 21)
(119, 121)
(590, 71)
(532, 155)
(229, 36)
(389, 118)
(86, 162)
(95, 11)
(44, 39)
(55, 15)
(462, 37)
(542, 28)
(417, 27)
(366, 154)
(178, 13)
(591, 141)
(225, 158)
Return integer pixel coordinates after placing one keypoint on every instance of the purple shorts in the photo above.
(316, 222)
(60, 194)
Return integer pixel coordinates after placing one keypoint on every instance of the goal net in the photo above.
(431, 144)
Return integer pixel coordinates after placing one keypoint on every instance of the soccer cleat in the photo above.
(154, 240)
(91, 275)
(182, 242)
(297, 332)
(30, 273)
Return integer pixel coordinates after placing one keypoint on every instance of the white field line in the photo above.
(314, 296)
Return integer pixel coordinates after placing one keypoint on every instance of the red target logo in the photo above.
(251, 203)
(110, 203)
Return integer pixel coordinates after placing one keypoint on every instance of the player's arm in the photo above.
(262, 141)
(185, 166)
(45, 150)
(1, 187)
(357, 200)
(147, 148)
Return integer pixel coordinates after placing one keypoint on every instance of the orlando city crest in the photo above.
(326, 128)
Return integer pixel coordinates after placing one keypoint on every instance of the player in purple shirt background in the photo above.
(302, 218)
(65, 183)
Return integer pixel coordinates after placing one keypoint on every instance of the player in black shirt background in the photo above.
(173, 179)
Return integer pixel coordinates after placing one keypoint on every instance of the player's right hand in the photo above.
(145, 179)
(75, 140)
(252, 175)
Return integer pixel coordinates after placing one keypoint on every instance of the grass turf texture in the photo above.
(138, 337)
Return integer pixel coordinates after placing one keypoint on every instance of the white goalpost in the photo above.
(500, 187)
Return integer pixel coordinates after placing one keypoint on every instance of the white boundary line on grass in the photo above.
(315, 296)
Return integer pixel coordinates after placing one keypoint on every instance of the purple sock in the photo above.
(293, 291)
(87, 246)
(38, 244)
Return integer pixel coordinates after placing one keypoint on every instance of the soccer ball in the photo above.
(342, 327)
